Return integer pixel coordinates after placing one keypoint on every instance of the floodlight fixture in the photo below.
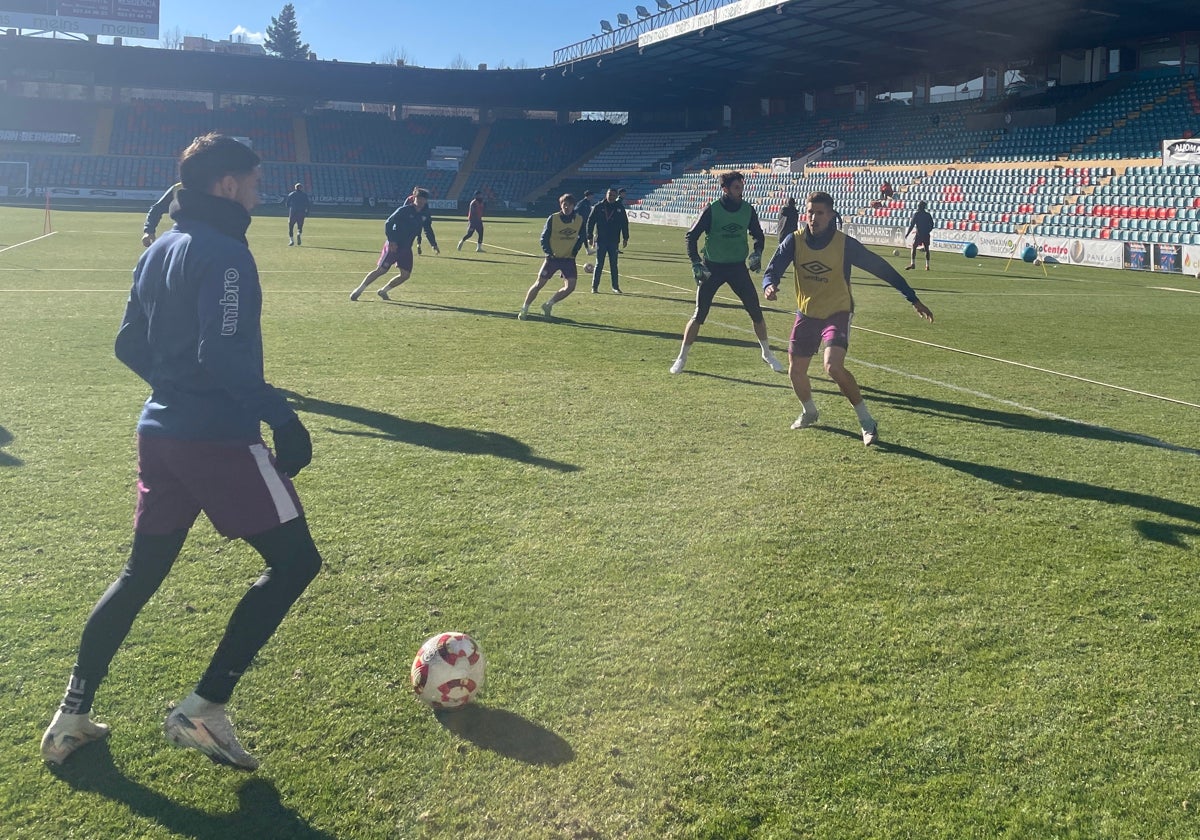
(642, 12)
(605, 26)
(663, 5)
(623, 19)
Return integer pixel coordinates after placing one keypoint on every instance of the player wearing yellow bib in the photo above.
(725, 224)
(562, 237)
(820, 257)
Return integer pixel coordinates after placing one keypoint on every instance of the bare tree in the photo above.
(397, 55)
(171, 39)
(521, 64)
(459, 63)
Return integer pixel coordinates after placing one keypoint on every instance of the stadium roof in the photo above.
(792, 46)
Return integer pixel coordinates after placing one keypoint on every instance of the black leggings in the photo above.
(292, 562)
(738, 278)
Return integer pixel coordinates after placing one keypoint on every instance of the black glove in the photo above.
(293, 448)
(755, 261)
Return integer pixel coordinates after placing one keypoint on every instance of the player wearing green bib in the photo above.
(725, 225)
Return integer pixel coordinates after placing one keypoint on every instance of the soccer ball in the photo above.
(895, 252)
(448, 670)
(588, 268)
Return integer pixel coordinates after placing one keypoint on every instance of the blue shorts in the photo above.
(236, 485)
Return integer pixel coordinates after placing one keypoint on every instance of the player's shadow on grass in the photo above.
(508, 734)
(7, 460)
(1018, 420)
(429, 435)
(260, 812)
(1067, 489)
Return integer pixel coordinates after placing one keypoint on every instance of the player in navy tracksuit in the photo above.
(401, 228)
(297, 204)
(157, 210)
(607, 228)
(191, 330)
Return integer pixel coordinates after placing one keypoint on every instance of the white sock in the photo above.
(765, 345)
(683, 351)
(864, 416)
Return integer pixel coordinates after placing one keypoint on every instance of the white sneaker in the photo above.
(871, 435)
(383, 294)
(291, 242)
(479, 249)
(775, 364)
(200, 725)
(546, 307)
(677, 365)
(805, 420)
(68, 733)
(460, 246)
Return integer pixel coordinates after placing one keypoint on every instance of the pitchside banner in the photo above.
(1178, 152)
(118, 18)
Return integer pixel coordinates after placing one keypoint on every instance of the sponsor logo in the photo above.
(1078, 251)
(815, 269)
(731, 229)
(229, 302)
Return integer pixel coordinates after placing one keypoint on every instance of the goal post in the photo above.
(14, 179)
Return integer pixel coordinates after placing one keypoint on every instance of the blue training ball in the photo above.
(970, 250)
(1029, 254)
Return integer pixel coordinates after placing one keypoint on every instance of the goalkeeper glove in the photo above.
(293, 447)
(755, 261)
(700, 272)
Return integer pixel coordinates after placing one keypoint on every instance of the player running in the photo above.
(562, 237)
(474, 222)
(401, 228)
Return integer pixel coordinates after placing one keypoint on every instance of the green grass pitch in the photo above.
(699, 623)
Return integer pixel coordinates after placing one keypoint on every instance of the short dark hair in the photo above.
(211, 157)
(821, 198)
(566, 197)
(921, 205)
(420, 192)
(727, 178)
(587, 192)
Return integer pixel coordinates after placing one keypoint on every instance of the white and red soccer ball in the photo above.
(448, 671)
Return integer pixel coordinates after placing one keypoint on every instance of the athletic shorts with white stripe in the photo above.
(237, 485)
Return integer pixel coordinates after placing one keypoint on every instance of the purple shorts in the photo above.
(809, 333)
(402, 258)
(235, 484)
(552, 265)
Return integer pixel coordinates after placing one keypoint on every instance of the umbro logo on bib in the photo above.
(815, 267)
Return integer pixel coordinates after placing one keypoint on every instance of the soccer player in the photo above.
(157, 210)
(562, 237)
(725, 224)
(474, 221)
(922, 222)
(820, 257)
(297, 204)
(401, 228)
(191, 330)
(789, 219)
(607, 226)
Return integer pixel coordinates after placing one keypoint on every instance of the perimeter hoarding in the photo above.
(113, 18)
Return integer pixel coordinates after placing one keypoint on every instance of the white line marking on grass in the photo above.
(27, 241)
(1032, 367)
(1171, 289)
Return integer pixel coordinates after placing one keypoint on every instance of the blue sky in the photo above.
(432, 33)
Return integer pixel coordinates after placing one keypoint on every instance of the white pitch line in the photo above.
(1170, 289)
(27, 241)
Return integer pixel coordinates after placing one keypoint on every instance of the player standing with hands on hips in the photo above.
(725, 224)
(820, 257)
(192, 331)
